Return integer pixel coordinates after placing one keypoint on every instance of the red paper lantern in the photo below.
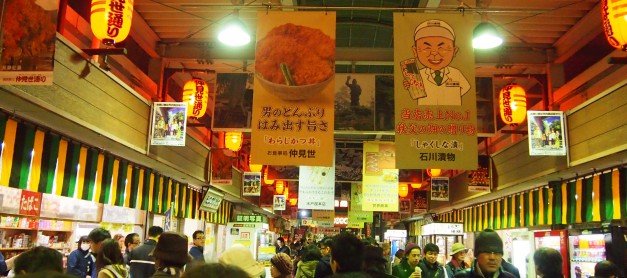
(614, 17)
(111, 20)
(513, 104)
(196, 95)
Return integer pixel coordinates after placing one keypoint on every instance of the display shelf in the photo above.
(14, 249)
(54, 230)
(587, 259)
(17, 228)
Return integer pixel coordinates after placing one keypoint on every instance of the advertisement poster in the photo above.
(28, 41)
(356, 196)
(348, 162)
(252, 184)
(169, 120)
(546, 133)
(439, 188)
(211, 201)
(354, 102)
(480, 180)
(434, 92)
(279, 202)
(316, 188)
(421, 201)
(234, 101)
(380, 177)
(293, 111)
(221, 164)
(404, 205)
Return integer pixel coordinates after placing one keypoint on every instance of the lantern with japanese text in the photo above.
(403, 190)
(266, 180)
(434, 172)
(513, 104)
(279, 187)
(196, 94)
(233, 141)
(614, 17)
(111, 20)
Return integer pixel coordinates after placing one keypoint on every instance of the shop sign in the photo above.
(30, 203)
(360, 216)
(443, 229)
(10, 201)
(250, 218)
(212, 201)
(327, 215)
(324, 223)
(307, 222)
(395, 234)
(316, 188)
(340, 221)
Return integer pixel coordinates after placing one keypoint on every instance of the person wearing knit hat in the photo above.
(457, 263)
(241, 256)
(281, 266)
(489, 255)
(408, 264)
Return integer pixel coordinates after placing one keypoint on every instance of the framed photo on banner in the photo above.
(439, 188)
(252, 184)
(546, 133)
(167, 127)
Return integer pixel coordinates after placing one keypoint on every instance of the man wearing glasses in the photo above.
(436, 83)
(199, 245)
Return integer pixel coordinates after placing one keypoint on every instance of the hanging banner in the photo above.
(480, 180)
(435, 99)
(439, 188)
(323, 215)
(279, 202)
(221, 164)
(211, 201)
(360, 216)
(234, 94)
(380, 178)
(293, 111)
(252, 184)
(421, 201)
(169, 120)
(356, 196)
(316, 188)
(28, 41)
(546, 133)
(167, 218)
(364, 102)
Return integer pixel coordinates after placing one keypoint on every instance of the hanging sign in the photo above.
(212, 201)
(293, 108)
(252, 184)
(316, 188)
(279, 202)
(439, 188)
(323, 215)
(421, 201)
(30, 203)
(434, 98)
(546, 133)
(480, 180)
(169, 120)
(380, 180)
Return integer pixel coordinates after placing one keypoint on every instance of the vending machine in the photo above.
(251, 235)
(586, 250)
(557, 240)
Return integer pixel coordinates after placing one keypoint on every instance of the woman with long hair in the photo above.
(109, 262)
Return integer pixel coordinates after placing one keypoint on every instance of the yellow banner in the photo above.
(326, 215)
(434, 92)
(380, 178)
(293, 111)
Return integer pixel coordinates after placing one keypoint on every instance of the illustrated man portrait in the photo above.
(436, 83)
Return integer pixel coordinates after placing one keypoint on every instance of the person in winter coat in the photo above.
(309, 260)
(110, 262)
(171, 255)
(408, 264)
(457, 263)
(281, 266)
(375, 262)
(429, 264)
(489, 254)
(80, 262)
(548, 263)
(323, 269)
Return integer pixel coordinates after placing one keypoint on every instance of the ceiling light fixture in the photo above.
(485, 36)
(234, 32)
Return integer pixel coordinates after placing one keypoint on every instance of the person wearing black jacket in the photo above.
(80, 262)
(142, 263)
(429, 264)
(323, 268)
(489, 255)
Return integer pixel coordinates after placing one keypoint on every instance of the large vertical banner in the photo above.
(292, 121)
(169, 120)
(234, 105)
(29, 31)
(380, 181)
(316, 188)
(434, 92)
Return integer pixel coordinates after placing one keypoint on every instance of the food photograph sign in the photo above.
(293, 103)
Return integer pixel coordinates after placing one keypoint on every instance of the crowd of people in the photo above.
(166, 254)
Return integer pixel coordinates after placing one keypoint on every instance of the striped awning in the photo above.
(595, 198)
(37, 160)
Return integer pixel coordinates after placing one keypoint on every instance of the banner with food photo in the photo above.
(233, 104)
(29, 31)
(480, 180)
(252, 184)
(380, 178)
(546, 133)
(169, 120)
(293, 111)
(439, 188)
(434, 92)
(316, 188)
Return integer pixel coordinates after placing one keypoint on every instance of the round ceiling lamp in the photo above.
(234, 32)
(485, 36)
(434, 172)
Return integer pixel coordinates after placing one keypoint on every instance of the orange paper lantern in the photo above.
(513, 104)
(266, 180)
(403, 190)
(415, 185)
(614, 17)
(434, 172)
(111, 20)
(279, 187)
(196, 95)
(233, 141)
